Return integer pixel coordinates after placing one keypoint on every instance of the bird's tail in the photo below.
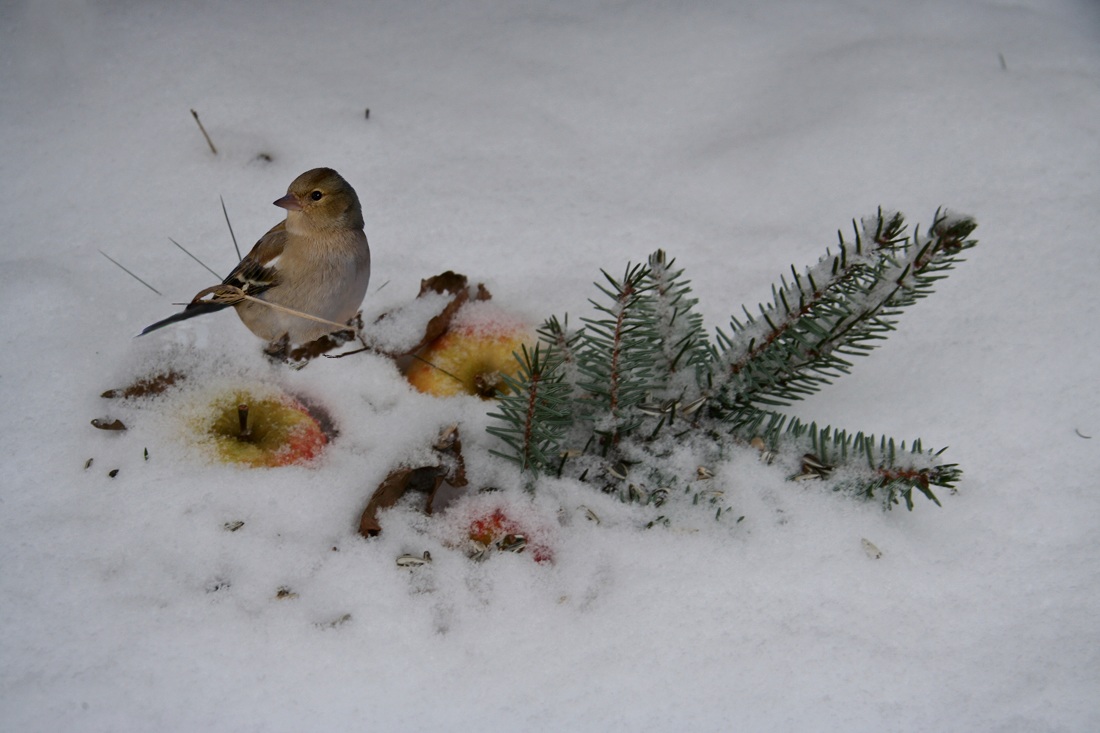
(192, 310)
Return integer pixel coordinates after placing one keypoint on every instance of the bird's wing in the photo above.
(258, 271)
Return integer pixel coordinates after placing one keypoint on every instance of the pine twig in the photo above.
(119, 265)
(534, 410)
(616, 355)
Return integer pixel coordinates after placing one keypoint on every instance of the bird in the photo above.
(315, 262)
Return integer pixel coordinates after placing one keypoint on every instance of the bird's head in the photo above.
(321, 199)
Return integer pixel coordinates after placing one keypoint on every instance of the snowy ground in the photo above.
(529, 145)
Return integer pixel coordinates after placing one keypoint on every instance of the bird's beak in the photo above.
(289, 202)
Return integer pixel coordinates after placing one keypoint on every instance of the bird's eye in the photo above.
(316, 195)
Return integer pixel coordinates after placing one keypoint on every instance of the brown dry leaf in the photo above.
(448, 283)
(392, 489)
(439, 324)
(450, 469)
(146, 386)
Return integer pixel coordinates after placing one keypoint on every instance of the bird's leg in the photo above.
(278, 349)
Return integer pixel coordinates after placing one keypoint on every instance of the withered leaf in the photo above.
(439, 323)
(450, 468)
(400, 480)
(146, 386)
(447, 282)
(454, 284)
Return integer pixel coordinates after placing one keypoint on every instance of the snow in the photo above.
(529, 145)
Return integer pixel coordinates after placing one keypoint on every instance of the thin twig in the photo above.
(203, 129)
(436, 366)
(231, 295)
(196, 259)
(130, 273)
(231, 234)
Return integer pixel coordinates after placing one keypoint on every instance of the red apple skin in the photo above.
(491, 528)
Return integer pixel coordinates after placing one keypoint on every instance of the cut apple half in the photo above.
(265, 431)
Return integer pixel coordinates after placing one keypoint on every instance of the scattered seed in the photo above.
(335, 622)
(481, 552)
(813, 468)
(88, 463)
(512, 543)
(106, 424)
(414, 561)
(113, 472)
(619, 470)
(869, 547)
(692, 407)
(711, 495)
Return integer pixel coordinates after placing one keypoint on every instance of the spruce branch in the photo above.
(859, 464)
(616, 354)
(683, 352)
(535, 410)
(555, 334)
(839, 308)
(644, 359)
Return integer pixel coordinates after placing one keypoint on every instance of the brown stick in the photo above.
(242, 418)
(203, 129)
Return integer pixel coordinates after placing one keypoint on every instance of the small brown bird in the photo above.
(315, 262)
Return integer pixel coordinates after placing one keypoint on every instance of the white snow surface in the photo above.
(528, 145)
